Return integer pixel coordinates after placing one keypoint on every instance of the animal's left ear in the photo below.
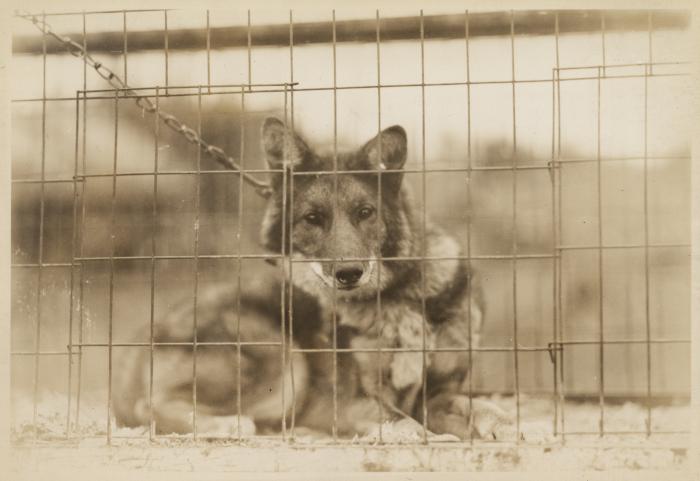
(387, 151)
(283, 147)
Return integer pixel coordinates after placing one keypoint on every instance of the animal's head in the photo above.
(337, 224)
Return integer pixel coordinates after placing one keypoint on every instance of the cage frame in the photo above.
(555, 348)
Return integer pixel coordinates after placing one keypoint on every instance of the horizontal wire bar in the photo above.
(484, 82)
(421, 170)
(364, 259)
(179, 257)
(237, 88)
(502, 349)
(299, 89)
(292, 442)
(278, 343)
(40, 353)
(619, 246)
(353, 87)
(454, 83)
(625, 76)
(477, 257)
(175, 344)
(485, 168)
(622, 159)
(353, 350)
(101, 12)
(424, 258)
(178, 343)
(78, 260)
(321, 172)
(420, 350)
(180, 172)
(320, 259)
(45, 181)
(620, 65)
(621, 433)
(478, 444)
(624, 341)
(43, 264)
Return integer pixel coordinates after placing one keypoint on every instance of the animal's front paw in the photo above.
(491, 422)
(401, 431)
(225, 426)
(536, 433)
(405, 430)
(455, 414)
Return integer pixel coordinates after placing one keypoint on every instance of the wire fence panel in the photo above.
(186, 276)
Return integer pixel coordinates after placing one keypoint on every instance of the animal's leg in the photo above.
(175, 416)
(451, 413)
(363, 416)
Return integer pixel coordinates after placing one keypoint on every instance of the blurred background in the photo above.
(510, 114)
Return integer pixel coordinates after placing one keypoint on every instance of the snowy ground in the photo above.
(401, 450)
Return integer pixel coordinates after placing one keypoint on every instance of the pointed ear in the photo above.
(277, 141)
(387, 151)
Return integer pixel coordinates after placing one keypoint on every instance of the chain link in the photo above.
(145, 103)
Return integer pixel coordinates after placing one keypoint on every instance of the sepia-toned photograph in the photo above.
(349, 238)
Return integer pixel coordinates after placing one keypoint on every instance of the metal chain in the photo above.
(145, 103)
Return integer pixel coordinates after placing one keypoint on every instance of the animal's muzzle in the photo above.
(348, 275)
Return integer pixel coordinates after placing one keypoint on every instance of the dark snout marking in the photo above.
(348, 275)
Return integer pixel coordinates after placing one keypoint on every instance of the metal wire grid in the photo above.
(555, 348)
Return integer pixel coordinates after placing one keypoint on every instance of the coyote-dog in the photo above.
(352, 234)
(167, 393)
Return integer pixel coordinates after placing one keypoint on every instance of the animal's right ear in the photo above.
(283, 148)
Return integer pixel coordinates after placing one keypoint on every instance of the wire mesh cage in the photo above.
(551, 147)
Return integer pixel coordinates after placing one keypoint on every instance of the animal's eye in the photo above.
(365, 212)
(313, 218)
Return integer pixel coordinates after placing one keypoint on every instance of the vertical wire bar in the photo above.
(514, 234)
(285, 219)
(239, 407)
(154, 220)
(601, 370)
(71, 295)
(380, 325)
(125, 50)
(647, 291)
(469, 226)
(650, 29)
(334, 233)
(602, 35)
(165, 45)
(554, 347)
(111, 268)
(250, 63)
(287, 227)
(82, 231)
(600, 229)
(42, 206)
(198, 183)
(424, 253)
(239, 230)
(560, 263)
(81, 318)
(208, 54)
(555, 241)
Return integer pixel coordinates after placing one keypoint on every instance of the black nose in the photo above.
(348, 276)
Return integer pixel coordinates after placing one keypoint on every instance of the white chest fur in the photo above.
(398, 326)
